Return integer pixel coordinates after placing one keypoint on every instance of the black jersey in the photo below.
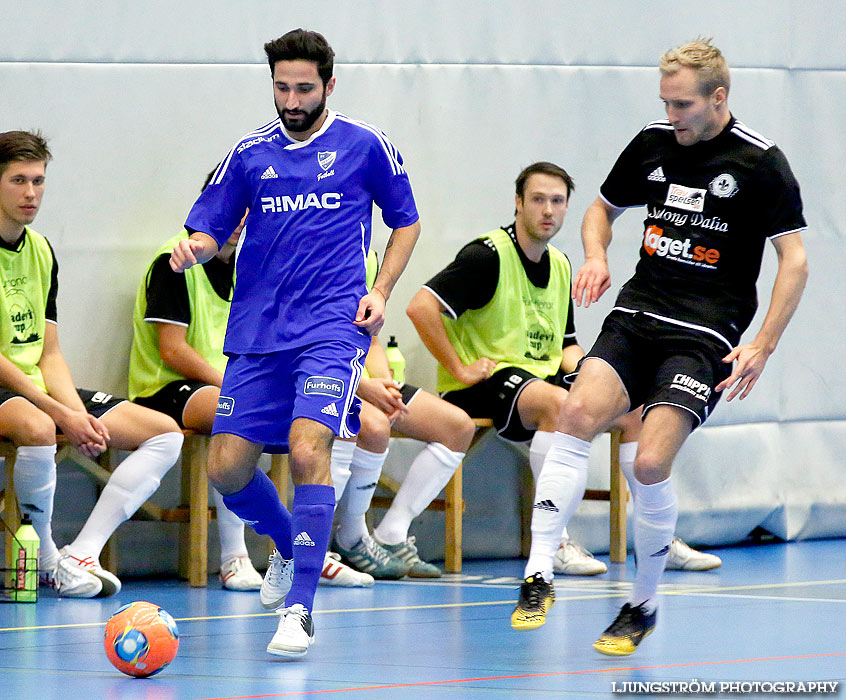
(710, 207)
(470, 281)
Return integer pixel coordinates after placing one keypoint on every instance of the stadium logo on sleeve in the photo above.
(325, 386)
(681, 197)
(225, 406)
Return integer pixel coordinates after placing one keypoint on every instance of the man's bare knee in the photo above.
(650, 467)
(460, 432)
(34, 428)
(575, 419)
(310, 450)
(231, 466)
(375, 431)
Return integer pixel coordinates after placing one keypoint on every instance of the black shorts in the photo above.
(97, 403)
(496, 398)
(661, 363)
(408, 392)
(172, 398)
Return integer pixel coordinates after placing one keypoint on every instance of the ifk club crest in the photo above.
(326, 159)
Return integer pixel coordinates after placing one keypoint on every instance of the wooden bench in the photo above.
(193, 513)
(453, 503)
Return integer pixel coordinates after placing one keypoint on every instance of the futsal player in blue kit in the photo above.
(301, 316)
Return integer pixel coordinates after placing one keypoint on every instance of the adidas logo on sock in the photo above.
(546, 505)
(330, 410)
(269, 174)
(661, 552)
(656, 175)
(303, 540)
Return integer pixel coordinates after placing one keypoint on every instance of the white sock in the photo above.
(364, 475)
(560, 489)
(339, 465)
(430, 471)
(538, 449)
(230, 528)
(35, 485)
(136, 479)
(656, 511)
(628, 451)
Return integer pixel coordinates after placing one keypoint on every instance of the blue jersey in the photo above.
(301, 267)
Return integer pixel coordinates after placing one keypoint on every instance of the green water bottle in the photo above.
(395, 360)
(25, 549)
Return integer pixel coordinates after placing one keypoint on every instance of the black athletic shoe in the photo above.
(632, 626)
(536, 598)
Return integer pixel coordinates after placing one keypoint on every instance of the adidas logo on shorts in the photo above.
(656, 175)
(269, 174)
(546, 505)
(330, 410)
(303, 540)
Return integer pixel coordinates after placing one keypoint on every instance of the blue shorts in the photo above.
(262, 394)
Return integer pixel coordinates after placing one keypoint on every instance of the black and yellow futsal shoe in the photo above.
(632, 626)
(536, 598)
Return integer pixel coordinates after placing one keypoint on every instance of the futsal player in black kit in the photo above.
(715, 191)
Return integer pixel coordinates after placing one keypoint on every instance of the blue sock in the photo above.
(314, 506)
(258, 505)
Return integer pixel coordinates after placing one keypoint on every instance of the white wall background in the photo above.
(141, 100)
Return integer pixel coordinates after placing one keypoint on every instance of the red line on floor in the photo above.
(531, 675)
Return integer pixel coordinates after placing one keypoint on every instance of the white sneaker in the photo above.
(277, 581)
(239, 574)
(572, 559)
(71, 577)
(295, 633)
(336, 573)
(683, 557)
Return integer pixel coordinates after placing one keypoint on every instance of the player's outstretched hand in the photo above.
(750, 364)
(591, 282)
(479, 371)
(370, 316)
(184, 254)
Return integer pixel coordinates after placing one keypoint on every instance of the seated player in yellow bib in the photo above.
(38, 397)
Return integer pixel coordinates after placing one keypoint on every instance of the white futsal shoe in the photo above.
(277, 581)
(336, 573)
(683, 557)
(72, 577)
(295, 633)
(572, 559)
(239, 574)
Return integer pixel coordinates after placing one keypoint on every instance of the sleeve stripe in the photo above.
(224, 165)
(764, 145)
(389, 148)
(659, 124)
(616, 206)
(787, 233)
(153, 319)
(740, 129)
(450, 312)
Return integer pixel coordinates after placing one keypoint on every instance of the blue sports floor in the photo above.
(772, 612)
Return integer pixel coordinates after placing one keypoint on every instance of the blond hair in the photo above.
(703, 57)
